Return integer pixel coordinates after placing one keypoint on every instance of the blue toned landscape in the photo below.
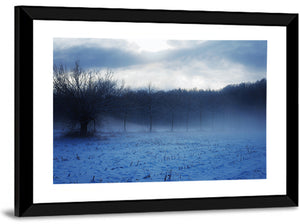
(158, 110)
(146, 157)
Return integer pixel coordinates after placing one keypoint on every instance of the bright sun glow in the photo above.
(152, 45)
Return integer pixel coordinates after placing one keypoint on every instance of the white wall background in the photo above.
(271, 215)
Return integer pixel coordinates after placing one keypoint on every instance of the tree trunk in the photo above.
(150, 117)
(150, 123)
(172, 127)
(125, 119)
(187, 121)
(200, 120)
(83, 128)
(94, 125)
(213, 121)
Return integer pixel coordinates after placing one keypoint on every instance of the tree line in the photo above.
(87, 97)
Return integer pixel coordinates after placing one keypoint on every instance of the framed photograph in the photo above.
(122, 110)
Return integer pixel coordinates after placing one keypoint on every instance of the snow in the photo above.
(114, 157)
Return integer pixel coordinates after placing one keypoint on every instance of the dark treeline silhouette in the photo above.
(233, 107)
(84, 98)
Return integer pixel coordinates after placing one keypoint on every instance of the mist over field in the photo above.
(154, 115)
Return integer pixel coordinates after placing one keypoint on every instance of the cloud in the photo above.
(91, 57)
(195, 74)
(251, 54)
(95, 53)
(65, 43)
(185, 43)
(185, 64)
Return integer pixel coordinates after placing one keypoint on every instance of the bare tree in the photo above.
(170, 102)
(150, 93)
(125, 106)
(83, 95)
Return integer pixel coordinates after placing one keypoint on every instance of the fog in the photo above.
(239, 108)
(149, 135)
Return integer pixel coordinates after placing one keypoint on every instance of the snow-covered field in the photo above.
(160, 156)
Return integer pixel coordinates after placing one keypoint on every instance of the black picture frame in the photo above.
(24, 17)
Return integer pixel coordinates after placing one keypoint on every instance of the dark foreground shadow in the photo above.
(9, 213)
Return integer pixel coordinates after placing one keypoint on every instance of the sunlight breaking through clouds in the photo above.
(168, 64)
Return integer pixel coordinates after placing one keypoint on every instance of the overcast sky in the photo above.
(167, 64)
